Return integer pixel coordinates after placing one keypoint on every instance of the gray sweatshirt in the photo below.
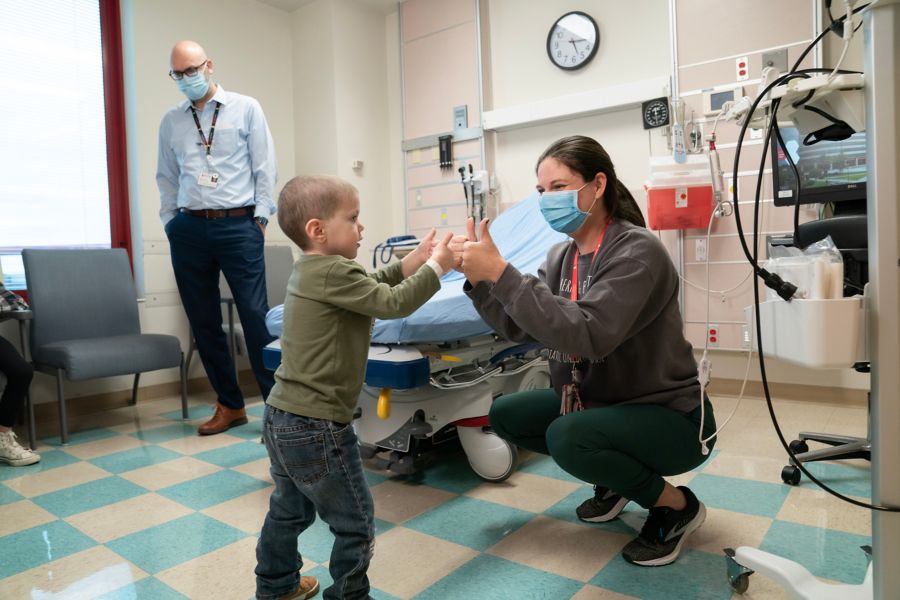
(626, 322)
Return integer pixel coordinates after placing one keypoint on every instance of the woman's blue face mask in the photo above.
(561, 211)
(194, 86)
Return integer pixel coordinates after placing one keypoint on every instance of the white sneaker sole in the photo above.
(614, 512)
(21, 462)
(673, 555)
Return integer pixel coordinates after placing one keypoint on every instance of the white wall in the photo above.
(521, 73)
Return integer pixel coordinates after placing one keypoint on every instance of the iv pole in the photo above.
(881, 28)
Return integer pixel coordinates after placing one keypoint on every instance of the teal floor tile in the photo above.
(149, 587)
(212, 489)
(235, 454)
(845, 479)
(252, 431)
(538, 464)
(471, 522)
(50, 459)
(564, 510)
(33, 547)
(256, 410)
(83, 437)
(695, 575)
(315, 543)
(373, 478)
(175, 542)
(824, 552)
(88, 496)
(158, 435)
(740, 495)
(450, 473)
(195, 411)
(491, 578)
(136, 458)
(7, 496)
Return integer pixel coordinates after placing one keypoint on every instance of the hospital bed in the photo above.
(433, 375)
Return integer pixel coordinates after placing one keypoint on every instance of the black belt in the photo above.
(219, 213)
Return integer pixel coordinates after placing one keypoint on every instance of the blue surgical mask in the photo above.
(561, 211)
(194, 86)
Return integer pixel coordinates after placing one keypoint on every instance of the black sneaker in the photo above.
(664, 533)
(604, 506)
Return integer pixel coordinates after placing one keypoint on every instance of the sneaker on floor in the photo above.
(665, 532)
(307, 588)
(604, 506)
(12, 453)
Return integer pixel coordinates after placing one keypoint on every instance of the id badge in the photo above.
(210, 180)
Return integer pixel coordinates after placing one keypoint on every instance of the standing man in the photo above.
(216, 172)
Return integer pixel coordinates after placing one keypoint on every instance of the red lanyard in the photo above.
(574, 291)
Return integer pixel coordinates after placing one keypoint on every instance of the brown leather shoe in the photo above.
(307, 588)
(224, 419)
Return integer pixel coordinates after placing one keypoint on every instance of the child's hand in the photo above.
(457, 245)
(426, 246)
(444, 255)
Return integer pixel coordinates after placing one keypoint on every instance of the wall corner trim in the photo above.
(581, 104)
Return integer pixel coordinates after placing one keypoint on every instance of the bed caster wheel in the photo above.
(798, 446)
(491, 457)
(738, 575)
(790, 475)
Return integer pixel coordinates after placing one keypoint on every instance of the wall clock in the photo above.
(573, 40)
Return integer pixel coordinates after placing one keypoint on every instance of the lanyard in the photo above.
(574, 291)
(212, 127)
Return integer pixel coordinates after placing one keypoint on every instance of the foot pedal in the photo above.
(401, 440)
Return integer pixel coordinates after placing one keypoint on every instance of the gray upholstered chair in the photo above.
(86, 322)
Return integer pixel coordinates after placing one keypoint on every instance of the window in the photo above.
(62, 159)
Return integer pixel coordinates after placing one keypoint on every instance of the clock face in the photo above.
(573, 40)
(655, 113)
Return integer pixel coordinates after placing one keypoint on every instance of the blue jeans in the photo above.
(316, 467)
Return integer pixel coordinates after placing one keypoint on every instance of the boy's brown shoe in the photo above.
(307, 588)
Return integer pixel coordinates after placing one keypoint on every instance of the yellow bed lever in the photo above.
(383, 408)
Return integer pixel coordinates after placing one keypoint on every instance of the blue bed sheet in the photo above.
(523, 238)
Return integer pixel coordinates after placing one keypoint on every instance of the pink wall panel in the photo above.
(708, 30)
(452, 217)
(439, 72)
(729, 335)
(424, 17)
(434, 196)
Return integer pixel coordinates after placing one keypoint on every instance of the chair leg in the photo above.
(134, 388)
(29, 416)
(63, 425)
(184, 406)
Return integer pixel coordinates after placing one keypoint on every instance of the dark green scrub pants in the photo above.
(628, 449)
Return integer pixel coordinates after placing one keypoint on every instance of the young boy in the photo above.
(328, 314)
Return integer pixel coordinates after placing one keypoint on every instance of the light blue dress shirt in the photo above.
(242, 154)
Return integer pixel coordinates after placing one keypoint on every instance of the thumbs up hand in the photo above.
(481, 261)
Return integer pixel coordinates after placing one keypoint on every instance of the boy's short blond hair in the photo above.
(308, 197)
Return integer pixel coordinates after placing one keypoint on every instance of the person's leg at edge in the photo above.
(197, 276)
(18, 374)
(349, 510)
(609, 453)
(522, 418)
(290, 513)
(243, 263)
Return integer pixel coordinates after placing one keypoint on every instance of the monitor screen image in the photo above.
(830, 171)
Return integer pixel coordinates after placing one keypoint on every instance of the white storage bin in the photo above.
(819, 334)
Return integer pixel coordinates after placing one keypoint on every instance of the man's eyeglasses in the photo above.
(190, 71)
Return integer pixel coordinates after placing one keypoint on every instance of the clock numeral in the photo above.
(556, 44)
(587, 48)
(581, 55)
(559, 34)
(559, 54)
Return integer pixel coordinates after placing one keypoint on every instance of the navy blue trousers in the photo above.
(200, 249)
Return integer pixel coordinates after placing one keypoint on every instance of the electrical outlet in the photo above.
(742, 68)
(745, 336)
(700, 250)
(712, 335)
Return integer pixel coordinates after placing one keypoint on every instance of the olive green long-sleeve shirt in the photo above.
(328, 315)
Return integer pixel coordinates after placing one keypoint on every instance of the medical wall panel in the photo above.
(425, 17)
(730, 337)
(439, 74)
(710, 37)
(434, 195)
(710, 30)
